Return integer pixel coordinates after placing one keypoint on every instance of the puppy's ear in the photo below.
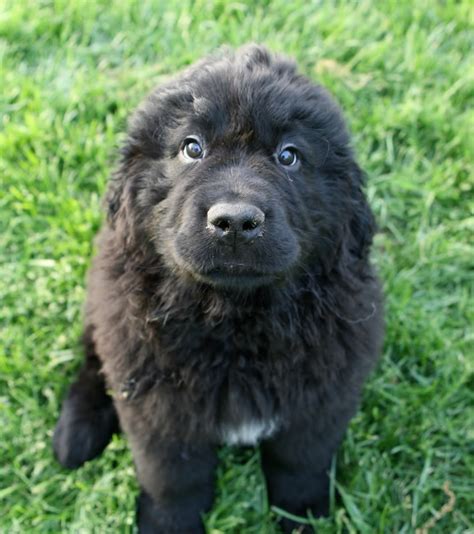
(115, 190)
(143, 144)
(362, 223)
(114, 197)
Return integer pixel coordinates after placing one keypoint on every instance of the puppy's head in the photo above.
(239, 172)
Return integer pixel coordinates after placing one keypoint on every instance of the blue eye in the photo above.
(287, 157)
(192, 149)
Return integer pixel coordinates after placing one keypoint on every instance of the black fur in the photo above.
(196, 334)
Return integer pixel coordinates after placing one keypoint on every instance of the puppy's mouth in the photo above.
(234, 275)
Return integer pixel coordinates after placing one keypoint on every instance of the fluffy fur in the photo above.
(202, 332)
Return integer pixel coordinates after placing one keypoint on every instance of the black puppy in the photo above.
(232, 299)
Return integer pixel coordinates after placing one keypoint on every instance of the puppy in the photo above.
(232, 299)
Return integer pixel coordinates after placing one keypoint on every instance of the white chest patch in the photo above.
(249, 432)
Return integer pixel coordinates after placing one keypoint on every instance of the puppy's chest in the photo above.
(246, 412)
(249, 432)
(242, 379)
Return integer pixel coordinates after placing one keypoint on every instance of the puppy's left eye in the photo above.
(192, 149)
(288, 156)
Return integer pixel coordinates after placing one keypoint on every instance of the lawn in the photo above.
(71, 72)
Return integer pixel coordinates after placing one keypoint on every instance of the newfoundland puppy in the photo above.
(232, 300)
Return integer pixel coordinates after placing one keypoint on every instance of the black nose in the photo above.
(242, 221)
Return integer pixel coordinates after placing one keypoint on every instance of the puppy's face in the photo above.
(238, 171)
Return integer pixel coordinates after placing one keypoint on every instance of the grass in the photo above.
(71, 71)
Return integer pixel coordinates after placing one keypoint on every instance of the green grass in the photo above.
(71, 71)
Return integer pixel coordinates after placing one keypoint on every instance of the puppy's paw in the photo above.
(155, 519)
(291, 527)
(83, 431)
(319, 509)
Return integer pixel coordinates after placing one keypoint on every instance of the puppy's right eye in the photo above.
(192, 149)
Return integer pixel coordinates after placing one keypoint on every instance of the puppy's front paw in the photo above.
(292, 527)
(83, 432)
(155, 519)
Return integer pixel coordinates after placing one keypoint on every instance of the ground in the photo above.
(70, 74)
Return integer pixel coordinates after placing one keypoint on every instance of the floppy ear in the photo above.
(143, 144)
(362, 223)
(114, 197)
(120, 199)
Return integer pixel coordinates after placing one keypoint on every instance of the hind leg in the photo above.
(88, 418)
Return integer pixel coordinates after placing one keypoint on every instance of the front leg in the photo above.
(296, 465)
(176, 480)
